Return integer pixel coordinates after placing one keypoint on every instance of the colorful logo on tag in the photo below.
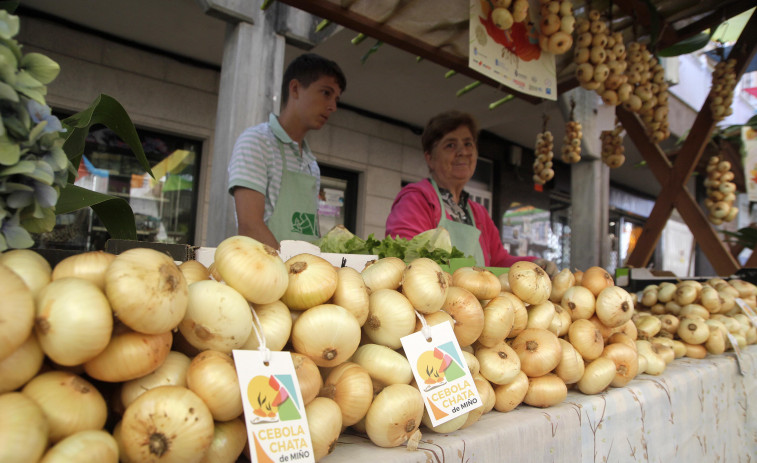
(271, 400)
(303, 223)
(437, 367)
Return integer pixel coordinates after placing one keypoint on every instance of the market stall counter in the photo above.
(698, 410)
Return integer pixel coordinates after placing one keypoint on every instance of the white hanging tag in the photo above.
(737, 350)
(748, 310)
(441, 373)
(277, 428)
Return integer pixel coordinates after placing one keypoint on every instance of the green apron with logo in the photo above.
(295, 215)
(463, 236)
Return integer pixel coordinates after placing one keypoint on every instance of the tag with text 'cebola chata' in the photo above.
(441, 373)
(277, 428)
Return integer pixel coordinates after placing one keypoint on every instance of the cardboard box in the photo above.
(179, 252)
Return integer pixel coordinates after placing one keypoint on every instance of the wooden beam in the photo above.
(359, 23)
(673, 179)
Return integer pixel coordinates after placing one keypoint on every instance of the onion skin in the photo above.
(16, 310)
(173, 372)
(229, 440)
(23, 429)
(168, 424)
(539, 351)
(325, 423)
(509, 396)
(213, 377)
(30, 266)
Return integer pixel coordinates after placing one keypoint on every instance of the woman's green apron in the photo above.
(295, 214)
(463, 236)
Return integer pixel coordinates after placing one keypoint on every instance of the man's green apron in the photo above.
(295, 214)
(463, 236)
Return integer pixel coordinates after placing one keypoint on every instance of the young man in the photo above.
(273, 175)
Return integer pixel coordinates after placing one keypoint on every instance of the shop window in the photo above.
(337, 200)
(164, 207)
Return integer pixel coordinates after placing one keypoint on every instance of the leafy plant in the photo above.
(39, 154)
(746, 236)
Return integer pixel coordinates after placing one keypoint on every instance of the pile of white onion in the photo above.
(158, 338)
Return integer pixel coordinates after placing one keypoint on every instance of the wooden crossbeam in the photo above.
(359, 23)
(673, 177)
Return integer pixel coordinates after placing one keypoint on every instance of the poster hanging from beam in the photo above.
(512, 57)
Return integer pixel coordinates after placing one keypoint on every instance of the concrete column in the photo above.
(589, 192)
(251, 75)
(590, 183)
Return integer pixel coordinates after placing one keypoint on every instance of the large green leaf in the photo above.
(115, 213)
(109, 112)
(686, 46)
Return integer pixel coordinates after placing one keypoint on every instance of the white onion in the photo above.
(217, 317)
(394, 415)
(70, 403)
(529, 282)
(252, 268)
(229, 440)
(276, 323)
(88, 265)
(23, 429)
(385, 273)
(173, 372)
(129, 356)
(146, 290)
(390, 317)
(312, 281)
(213, 377)
(21, 366)
(326, 333)
(424, 285)
(170, 424)
(83, 447)
(30, 266)
(351, 293)
(16, 311)
(74, 321)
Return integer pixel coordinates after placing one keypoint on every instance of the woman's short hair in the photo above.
(444, 123)
(307, 68)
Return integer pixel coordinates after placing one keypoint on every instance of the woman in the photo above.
(449, 146)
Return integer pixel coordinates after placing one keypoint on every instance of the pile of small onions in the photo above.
(152, 340)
